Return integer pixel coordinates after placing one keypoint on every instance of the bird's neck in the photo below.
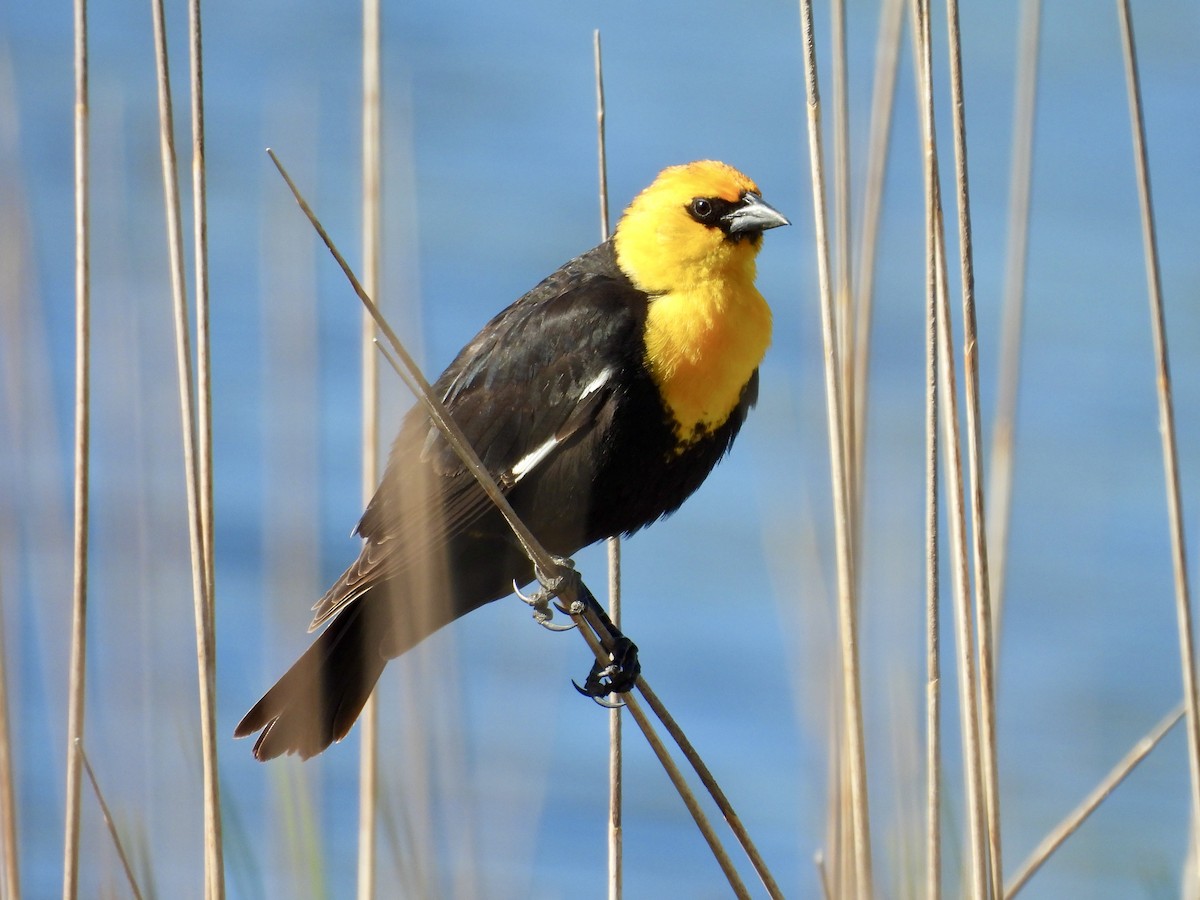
(703, 343)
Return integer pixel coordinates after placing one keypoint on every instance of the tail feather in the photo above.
(318, 699)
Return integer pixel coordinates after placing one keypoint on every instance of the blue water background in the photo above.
(490, 183)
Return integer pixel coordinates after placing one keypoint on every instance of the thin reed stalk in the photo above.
(843, 293)
(110, 824)
(368, 795)
(200, 252)
(10, 863)
(689, 799)
(78, 661)
(615, 831)
(206, 643)
(214, 874)
(601, 145)
(681, 786)
(847, 607)
(1000, 472)
(711, 785)
(933, 281)
(1092, 801)
(983, 591)
(1166, 416)
(368, 778)
(967, 664)
(948, 407)
(834, 866)
(841, 177)
(883, 96)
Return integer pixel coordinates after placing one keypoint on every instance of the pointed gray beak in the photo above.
(753, 215)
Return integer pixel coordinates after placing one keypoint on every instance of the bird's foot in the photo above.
(620, 673)
(547, 591)
(617, 677)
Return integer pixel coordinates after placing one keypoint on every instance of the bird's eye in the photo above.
(702, 209)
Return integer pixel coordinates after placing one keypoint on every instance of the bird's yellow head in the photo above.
(696, 222)
(689, 242)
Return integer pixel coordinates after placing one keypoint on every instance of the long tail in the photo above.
(319, 698)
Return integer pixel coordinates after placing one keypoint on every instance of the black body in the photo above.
(613, 465)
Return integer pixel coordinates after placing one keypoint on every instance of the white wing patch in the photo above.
(597, 383)
(526, 463)
(529, 461)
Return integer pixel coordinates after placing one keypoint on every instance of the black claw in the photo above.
(617, 677)
(542, 611)
(599, 701)
(575, 609)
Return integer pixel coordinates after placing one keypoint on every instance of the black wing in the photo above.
(533, 384)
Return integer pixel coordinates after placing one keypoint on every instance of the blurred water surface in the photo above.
(490, 184)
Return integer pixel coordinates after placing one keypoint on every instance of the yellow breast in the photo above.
(702, 346)
(707, 326)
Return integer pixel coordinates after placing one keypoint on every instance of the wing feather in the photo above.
(531, 383)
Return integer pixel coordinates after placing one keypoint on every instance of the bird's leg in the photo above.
(573, 597)
(620, 674)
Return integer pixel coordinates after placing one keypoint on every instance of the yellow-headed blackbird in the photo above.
(599, 401)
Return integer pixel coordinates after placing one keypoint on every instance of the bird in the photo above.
(599, 401)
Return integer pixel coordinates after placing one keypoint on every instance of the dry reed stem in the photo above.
(1166, 416)
(847, 607)
(613, 545)
(947, 391)
(933, 663)
(681, 786)
(855, 293)
(10, 863)
(983, 591)
(109, 823)
(592, 630)
(1099, 794)
(368, 783)
(846, 858)
(710, 783)
(78, 660)
(200, 252)
(1000, 472)
(206, 646)
(616, 832)
(601, 146)
(883, 96)
(843, 293)
(10, 882)
(968, 671)
(214, 876)
(689, 799)
(833, 858)
(368, 795)
(844, 319)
